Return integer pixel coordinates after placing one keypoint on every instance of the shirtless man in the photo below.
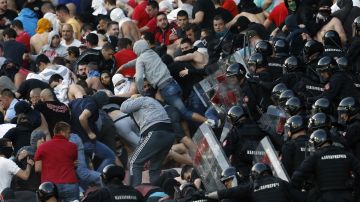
(257, 18)
(332, 23)
(40, 39)
(196, 58)
(74, 90)
(127, 28)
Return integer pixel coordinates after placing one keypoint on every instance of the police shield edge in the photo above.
(209, 159)
(268, 155)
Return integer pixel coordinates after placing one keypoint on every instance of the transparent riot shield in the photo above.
(209, 159)
(271, 158)
(273, 120)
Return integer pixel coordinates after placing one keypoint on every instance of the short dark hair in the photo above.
(92, 66)
(111, 2)
(124, 42)
(18, 24)
(55, 78)
(192, 27)
(75, 50)
(87, 27)
(111, 23)
(59, 61)
(186, 40)
(61, 127)
(7, 93)
(4, 142)
(153, 4)
(219, 17)
(182, 13)
(11, 33)
(93, 39)
(42, 58)
(150, 37)
(62, 8)
(107, 47)
(161, 13)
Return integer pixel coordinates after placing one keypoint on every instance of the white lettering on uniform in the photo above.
(126, 197)
(329, 157)
(267, 186)
(255, 153)
(314, 88)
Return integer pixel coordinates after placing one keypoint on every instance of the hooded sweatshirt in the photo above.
(52, 52)
(150, 66)
(29, 19)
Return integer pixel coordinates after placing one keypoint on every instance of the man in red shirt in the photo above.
(56, 159)
(165, 33)
(22, 36)
(140, 16)
(124, 55)
(152, 10)
(277, 15)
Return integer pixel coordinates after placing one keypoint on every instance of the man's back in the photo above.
(58, 157)
(14, 50)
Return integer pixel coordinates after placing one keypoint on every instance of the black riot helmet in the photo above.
(291, 64)
(332, 38)
(276, 92)
(259, 170)
(293, 106)
(284, 96)
(237, 70)
(319, 121)
(348, 108)
(294, 124)
(326, 63)
(47, 190)
(228, 173)
(281, 47)
(257, 60)
(343, 63)
(356, 26)
(321, 105)
(264, 47)
(319, 137)
(111, 172)
(312, 47)
(235, 113)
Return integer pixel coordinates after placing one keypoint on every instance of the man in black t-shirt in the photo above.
(53, 110)
(6, 15)
(27, 85)
(203, 13)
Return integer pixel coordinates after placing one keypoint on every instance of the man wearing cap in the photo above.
(85, 123)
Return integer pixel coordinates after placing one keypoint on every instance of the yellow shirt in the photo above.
(76, 27)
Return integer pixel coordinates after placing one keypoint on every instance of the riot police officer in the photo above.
(241, 144)
(263, 188)
(323, 121)
(47, 192)
(276, 92)
(348, 111)
(332, 44)
(275, 63)
(311, 54)
(255, 99)
(330, 167)
(292, 72)
(258, 67)
(354, 49)
(293, 106)
(284, 96)
(114, 190)
(295, 148)
(337, 84)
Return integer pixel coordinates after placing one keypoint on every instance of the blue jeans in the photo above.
(86, 176)
(171, 93)
(68, 192)
(194, 103)
(101, 151)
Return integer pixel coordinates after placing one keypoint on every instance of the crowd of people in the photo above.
(100, 99)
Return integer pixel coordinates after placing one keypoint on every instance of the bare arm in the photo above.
(340, 30)
(187, 57)
(24, 174)
(266, 5)
(267, 23)
(38, 166)
(44, 126)
(199, 17)
(83, 118)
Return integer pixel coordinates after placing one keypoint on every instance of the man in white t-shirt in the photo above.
(9, 167)
(68, 38)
